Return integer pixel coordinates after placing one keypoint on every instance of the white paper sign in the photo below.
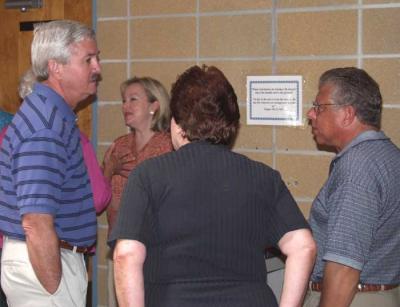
(274, 100)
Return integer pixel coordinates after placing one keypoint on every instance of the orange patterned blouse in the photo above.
(159, 144)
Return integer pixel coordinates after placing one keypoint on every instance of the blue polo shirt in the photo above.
(356, 216)
(42, 170)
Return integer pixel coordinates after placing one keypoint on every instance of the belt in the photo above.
(75, 249)
(317, 286)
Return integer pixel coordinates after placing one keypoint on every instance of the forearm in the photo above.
(300, 250)
(128, 273)
(298, 268)
(339, 285)
(43, 249)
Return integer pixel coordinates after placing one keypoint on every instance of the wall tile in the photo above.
(231, 5)
(304, 175)
(386, 73)
(246, 35)
(113, 74)
(390, 124)
(102, 286)
(107, 8)
(165, 72)
(112, 46)
(100, 151)
(317, 33)
(102, 218)
(110, 123)
(163, 37)
(316, 3)
(155, 7)
(381, 29)
(380, 1)
(253, 137)
(311, 71)
(295, 138)
(237, 71)
(102, 248)
(305, 208)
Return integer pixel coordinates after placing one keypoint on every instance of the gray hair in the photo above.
(355, 87)
(26, 83)
(53, 40)
(155, 91)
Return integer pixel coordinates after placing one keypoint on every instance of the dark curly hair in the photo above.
(204, 105)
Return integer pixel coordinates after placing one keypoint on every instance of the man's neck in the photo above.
(350, 135)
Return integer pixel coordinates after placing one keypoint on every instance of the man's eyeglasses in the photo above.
(317, 106)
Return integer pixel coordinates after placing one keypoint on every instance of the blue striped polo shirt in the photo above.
(42, 170)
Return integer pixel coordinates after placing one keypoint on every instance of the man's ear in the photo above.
(54, 68)
(349, 115)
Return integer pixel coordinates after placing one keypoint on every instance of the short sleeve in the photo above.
(134, 216)
(351, 225)
(39, 170)
(283, 214)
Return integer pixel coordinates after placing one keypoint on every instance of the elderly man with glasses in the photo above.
(355, 217)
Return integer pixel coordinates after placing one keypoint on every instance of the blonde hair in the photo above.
(155, 91)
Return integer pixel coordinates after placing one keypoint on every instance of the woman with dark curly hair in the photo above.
(194, 224)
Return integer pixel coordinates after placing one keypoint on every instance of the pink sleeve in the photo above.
(101, 188)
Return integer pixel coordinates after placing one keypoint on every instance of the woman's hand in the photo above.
(116, 165)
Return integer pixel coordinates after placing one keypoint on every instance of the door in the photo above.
(15, 47)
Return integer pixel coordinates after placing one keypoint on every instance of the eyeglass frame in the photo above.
(317, 106)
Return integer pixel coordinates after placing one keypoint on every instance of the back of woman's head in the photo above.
(155, 91)
(204, 105)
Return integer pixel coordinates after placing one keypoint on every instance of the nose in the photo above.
(311, 113)
(96, 65)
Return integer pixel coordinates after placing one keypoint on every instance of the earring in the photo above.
(151, 112)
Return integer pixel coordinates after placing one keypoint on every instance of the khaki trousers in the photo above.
(389, 298)
(23, 289)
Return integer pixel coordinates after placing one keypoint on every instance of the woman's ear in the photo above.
(154, 106)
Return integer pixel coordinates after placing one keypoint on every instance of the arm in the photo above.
(300, 249)
(43, 249)
(101, 187)
(129, 256)
(340, 285)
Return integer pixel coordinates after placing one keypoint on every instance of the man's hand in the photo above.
(43, 249)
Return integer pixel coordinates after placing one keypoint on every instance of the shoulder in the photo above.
(160, 143)
(254, 164)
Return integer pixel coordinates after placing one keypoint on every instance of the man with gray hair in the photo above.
(355, 217)
(46, 206)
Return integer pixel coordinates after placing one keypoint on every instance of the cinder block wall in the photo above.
(161, 38)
